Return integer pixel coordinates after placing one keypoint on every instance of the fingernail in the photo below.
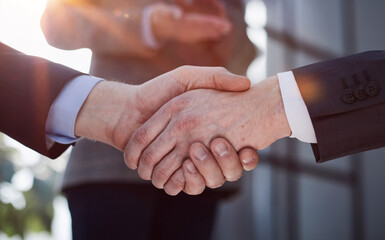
(248, 160)
(200, 154)
(191, 168)
(221, 149)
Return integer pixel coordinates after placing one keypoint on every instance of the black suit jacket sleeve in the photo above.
(346, 102)
(28, 87)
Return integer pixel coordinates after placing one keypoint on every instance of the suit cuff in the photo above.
(60, 125)
(296, 111)
(147, 34)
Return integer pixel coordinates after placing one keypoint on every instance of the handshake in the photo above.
(189, 128)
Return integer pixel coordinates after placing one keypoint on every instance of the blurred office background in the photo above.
(288, 196)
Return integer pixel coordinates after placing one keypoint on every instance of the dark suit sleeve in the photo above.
(28, 87)
(346, 102)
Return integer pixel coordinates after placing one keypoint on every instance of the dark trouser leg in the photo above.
(139, 212)
(184, 217)
(109, 212)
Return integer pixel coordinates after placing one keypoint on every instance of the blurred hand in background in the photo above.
(171, 22)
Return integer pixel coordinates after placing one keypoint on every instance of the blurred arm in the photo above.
(71, 25)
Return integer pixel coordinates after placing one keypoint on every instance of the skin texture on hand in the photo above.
(254, 118)
(114, 110)
(222, 164)
(171, 22)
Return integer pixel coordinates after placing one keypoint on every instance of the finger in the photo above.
(195, 28)
(175, 11)
(144, 135)
(176, 183)
(207, 165)
(183, 3)
(176, 82)
(167, 10)
(227, 159)
(207, 22)
(164, 169)
(249, 158)
(152, 155)
(194, 182)
(210, 78)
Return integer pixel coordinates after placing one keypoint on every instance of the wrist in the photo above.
(270, 122)
(276, 109)
(105, 112)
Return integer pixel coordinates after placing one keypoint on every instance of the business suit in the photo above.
(346, 102)
(95, 169)
(28, 87)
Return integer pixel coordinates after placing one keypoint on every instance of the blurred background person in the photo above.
(134, 41)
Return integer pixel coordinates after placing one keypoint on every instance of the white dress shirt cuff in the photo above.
(295, 109)
(60, 125)
(147, 34)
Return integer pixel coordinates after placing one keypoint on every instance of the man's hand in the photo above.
(114, 110)
(255, 118)
(222, 164)
(171, 22)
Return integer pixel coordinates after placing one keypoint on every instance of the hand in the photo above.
(114, 110)
(255, 118)
(212, 7)
(170, 22)
(224, 164)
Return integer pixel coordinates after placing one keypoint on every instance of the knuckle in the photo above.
(177, 104)
(161, 175)
(187, 68)
(178, 183)
(220, 69)
(186, 122)
(182, 70)
(148, 158)
(142, 136)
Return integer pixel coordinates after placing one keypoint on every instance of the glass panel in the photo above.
(324, 210)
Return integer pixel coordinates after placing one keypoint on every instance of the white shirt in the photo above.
(296, 111)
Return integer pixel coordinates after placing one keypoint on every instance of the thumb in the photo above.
(217, 78)
(153, 94)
